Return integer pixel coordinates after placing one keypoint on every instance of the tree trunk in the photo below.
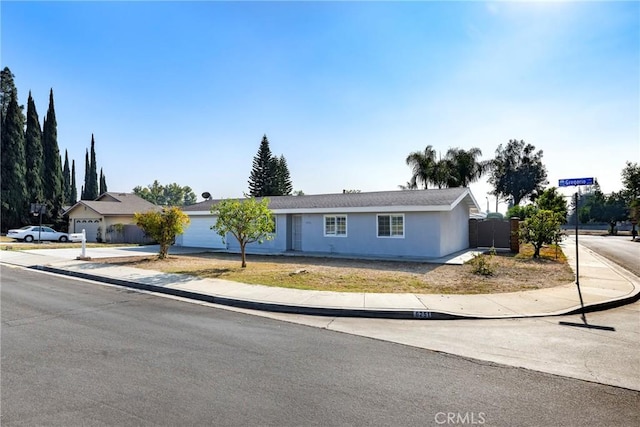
(536, 253)
(163, 251)
(244, 257)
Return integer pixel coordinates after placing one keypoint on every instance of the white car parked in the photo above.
(29, 233)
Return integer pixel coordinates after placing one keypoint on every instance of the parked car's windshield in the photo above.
(26, 227)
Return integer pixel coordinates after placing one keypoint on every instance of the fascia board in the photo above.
(77, 205)
(368, 209)
(199, 213)
(472, 203)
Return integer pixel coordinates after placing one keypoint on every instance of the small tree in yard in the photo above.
(543, 227)
(163, 226)
(249, 221)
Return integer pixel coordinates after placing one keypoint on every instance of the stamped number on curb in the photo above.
(422, 314)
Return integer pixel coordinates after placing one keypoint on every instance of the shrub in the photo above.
(162, 226)
(543, 227)
(481, 265)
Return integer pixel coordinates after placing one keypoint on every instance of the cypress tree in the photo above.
(53, 182)
(66, 178)
(13, 171)
(74, 191)
(34, 155)
(93, 170)
(91, 175)
(86, 176)
(7, 85)
(262, 178)
(103, 183)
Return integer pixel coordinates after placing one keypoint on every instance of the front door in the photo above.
(296, 241)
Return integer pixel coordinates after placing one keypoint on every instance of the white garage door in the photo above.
(89, 225)
(199, 234)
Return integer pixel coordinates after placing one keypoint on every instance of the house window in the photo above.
(391, 225)
(274, 224)
(335, 225)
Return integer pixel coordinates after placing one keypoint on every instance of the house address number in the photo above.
(422, 314)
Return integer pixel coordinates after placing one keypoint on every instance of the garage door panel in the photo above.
(200, 235)
(90, 226)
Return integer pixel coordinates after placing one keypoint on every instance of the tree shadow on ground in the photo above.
(295, 261)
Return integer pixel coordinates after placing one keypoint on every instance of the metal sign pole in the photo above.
(568, 183)
(584, 318)
(574, 182)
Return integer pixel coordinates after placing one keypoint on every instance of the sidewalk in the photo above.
(603, 285)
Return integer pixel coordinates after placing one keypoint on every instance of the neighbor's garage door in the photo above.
(200, 235)
(90, 226)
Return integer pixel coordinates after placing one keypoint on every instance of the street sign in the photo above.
(575, 181)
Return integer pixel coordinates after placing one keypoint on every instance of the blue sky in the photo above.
(183, 91)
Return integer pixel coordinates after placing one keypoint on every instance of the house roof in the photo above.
(388, 201)
(112, 203)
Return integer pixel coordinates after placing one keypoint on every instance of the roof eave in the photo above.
(81, 203)
(471, 201)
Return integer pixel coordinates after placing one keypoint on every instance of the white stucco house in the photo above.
(393, 224)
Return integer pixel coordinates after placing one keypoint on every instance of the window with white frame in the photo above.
(391, 225)
(335, 225)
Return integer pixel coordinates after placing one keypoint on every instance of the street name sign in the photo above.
(575, 181)
(572, 183)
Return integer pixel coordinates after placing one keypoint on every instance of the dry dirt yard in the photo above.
(510, 273)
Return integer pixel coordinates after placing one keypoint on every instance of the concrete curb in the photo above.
(402, 314)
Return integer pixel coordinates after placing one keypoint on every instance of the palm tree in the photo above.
(465, 167)
(459, 168)
(408, 186)
(444, 174)
(423, 166)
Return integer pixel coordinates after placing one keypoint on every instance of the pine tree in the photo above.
(262, 178)
(91, 175)
(66, 180)
(103, 183)
(74, 191)
(53, 182)
(283, 178)
(34, 155)
(13, 171)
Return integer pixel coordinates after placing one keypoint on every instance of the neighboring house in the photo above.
(109, 218)
(412, 223)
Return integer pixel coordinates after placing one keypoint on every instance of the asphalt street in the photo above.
(78, 353)
(542, 344)
(619, 249)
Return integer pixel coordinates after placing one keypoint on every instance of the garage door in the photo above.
(89, 225)
(200, 235)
